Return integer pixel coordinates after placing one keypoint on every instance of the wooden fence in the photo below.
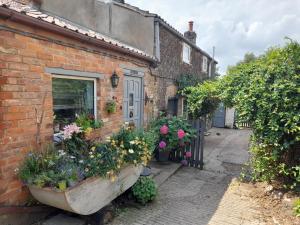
(195, 147)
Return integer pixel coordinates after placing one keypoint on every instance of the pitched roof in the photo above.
(62, 23)
(166, 25)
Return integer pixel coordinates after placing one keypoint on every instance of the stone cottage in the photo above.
(52, 65)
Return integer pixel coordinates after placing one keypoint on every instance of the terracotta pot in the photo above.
(90, 195)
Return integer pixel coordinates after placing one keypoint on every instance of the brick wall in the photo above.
(26, 92)
(172, 66)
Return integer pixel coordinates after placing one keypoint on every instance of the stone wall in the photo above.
(172, 66)
(26, 93)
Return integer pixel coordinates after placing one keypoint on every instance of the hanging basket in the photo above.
(90, 195)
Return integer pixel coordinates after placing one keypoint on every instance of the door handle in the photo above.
(130, 114)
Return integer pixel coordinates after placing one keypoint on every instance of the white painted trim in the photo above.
(82, 78)
(75, 73)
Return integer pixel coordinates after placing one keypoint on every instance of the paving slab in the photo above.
(162, 171)
(200, 197)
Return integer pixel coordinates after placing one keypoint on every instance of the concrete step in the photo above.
(161, 172)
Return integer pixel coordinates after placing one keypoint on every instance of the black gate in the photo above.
(195, 147)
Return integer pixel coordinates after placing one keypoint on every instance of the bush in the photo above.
(202, 99)
(168, 131)
(144, 190)
(297, 208)
(265, 93)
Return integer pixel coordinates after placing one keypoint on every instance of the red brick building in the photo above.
(37, 49)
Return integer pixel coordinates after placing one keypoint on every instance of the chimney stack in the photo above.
(191, 34)
(191, 25)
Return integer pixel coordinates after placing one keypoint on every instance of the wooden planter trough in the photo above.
(90, 195)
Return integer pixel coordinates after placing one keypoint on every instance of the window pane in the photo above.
(71, 97)
(131, 99)
(186, 53)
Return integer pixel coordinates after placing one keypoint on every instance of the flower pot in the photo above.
(163, 156)
(90, 195)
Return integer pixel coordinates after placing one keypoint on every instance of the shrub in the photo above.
(297, 208)
(265, 93)
(202, 99)
(144, 190)
(172, 132)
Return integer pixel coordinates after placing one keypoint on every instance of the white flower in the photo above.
(132, 142)
(131, 151)
(61, 152)
(72, 157)
(80, 161)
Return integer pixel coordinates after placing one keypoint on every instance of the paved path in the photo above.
(211, 196)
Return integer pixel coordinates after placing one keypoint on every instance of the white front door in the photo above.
(132, 100)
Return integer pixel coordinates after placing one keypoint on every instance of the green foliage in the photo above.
(171, 138)
(265, 92)
(187, 80)
(202, 99)
(86, 121)
(78, 158)
(48, 168)
(111, 106)
(296, 208)
(144, 190)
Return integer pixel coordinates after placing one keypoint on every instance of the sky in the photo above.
(234, 27)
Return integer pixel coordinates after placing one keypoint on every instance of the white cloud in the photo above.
(234, 27)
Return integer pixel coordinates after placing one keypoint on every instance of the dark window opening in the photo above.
(71, 97)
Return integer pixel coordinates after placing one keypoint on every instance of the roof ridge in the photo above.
(181, 35)
(63, 23)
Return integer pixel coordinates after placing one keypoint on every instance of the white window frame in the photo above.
(186, 46)
(204, 64)
(82, 78)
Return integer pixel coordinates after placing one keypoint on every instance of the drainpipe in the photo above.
(211, 64)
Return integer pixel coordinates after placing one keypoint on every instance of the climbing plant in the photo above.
(203, 98)
(266, 93)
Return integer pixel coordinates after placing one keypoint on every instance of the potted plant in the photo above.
(88, 123)
(111, 106)
(174, 133)
(82, 176)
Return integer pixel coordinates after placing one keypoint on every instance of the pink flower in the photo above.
(184, 162)
(162, 144)
(164, 129)
(188, 154)
(180, 133)
(71, 129)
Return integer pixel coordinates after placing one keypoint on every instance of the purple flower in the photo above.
(184, 162)
(162, 144)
